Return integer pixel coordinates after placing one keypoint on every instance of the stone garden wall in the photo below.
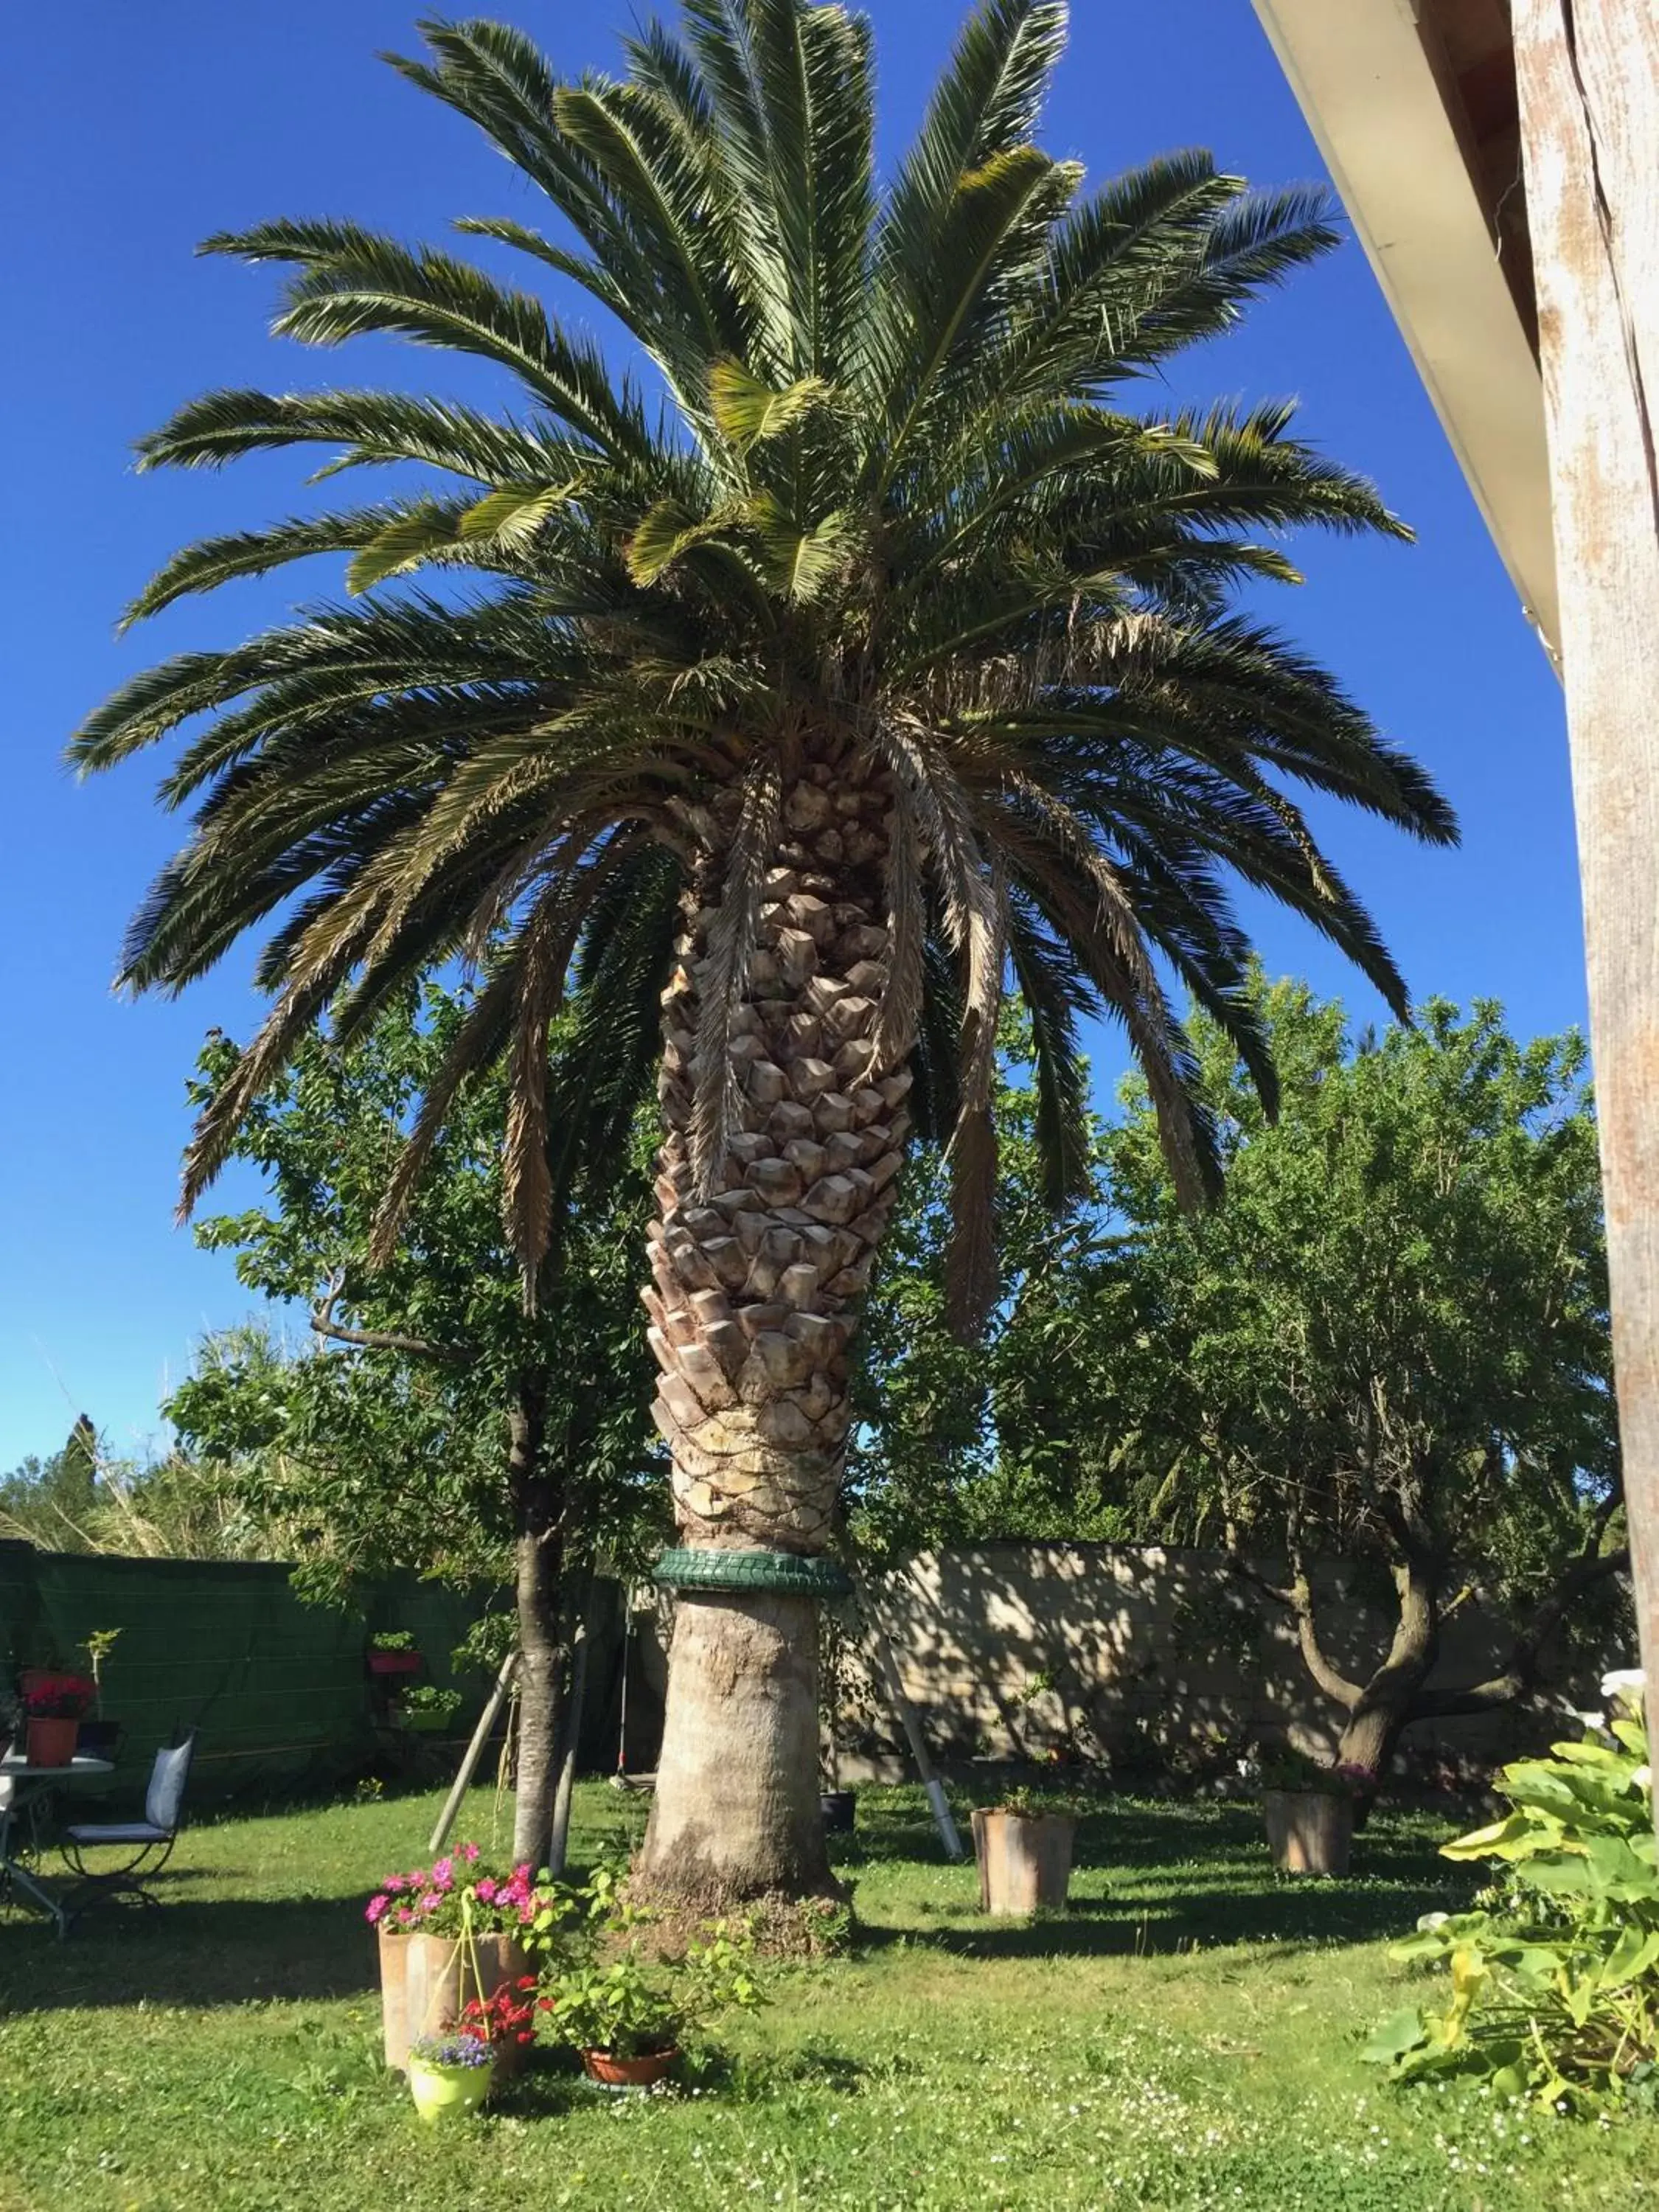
(1147, 1658)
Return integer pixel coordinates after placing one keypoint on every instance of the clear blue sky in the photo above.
(128, 132)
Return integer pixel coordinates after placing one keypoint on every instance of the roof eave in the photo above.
(1368, 88)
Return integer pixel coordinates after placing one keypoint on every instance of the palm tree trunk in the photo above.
(758, 1292)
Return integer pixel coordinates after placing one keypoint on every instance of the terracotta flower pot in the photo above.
(1309, 1831)
(615, 2073)
(422, 1990)
(1024, 1861)
(51, 1743)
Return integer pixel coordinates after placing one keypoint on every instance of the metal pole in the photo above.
(474, 1752)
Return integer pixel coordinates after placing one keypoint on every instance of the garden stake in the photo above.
(474, 1752)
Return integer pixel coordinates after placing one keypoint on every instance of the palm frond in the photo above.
(888, 519)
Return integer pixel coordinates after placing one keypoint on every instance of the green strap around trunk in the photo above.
(752, 1570)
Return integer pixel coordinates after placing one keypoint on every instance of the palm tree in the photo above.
(881, 658)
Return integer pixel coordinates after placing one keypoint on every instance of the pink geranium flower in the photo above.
(376, 1909)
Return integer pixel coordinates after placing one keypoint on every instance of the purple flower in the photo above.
(451, 2051)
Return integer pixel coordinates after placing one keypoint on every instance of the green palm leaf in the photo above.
(894, 520)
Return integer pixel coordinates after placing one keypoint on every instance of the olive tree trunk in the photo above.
(538, 1550)
(757, 1290)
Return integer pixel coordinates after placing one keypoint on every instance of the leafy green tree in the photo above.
(442, 1425)
(1390, 1343)
(928, 1462)
(882, 654)
(56, 1502)
(85, 1499)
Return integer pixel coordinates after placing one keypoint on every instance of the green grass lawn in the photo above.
(1186, 2037)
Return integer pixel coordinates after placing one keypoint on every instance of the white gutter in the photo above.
(1372, 101)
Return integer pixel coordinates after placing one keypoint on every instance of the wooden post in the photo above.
(439, 1835)
(910, 1722)
(1587, 79)
(559, 1843)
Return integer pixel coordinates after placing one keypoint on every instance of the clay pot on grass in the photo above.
(639, 2072)
(426, 1979)
(1025, 1860)
(1310, 1832)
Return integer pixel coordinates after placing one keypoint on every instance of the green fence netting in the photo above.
(279, 1691)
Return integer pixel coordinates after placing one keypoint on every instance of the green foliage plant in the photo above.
(632, 2006)
(98, 1644)
(428, 1702)
(1285, 1768)
(1389, 1348)
(1554, 1975)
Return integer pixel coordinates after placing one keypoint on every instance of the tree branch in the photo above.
(1336, 1687)
(378, 1340)
(1298, 1601)
(1257, 1581)
(1521, 1674)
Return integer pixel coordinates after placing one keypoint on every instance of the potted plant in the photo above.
(100, 1738)
(1309, 1811)
(628, 2017)
(49, 1676)
(53, 1712)
(456, 2071)
(450, 2075)
(391, 1651)
(449, 1934)
(425, 1708)
(1023, 1846)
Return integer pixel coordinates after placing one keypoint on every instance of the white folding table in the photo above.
(21, 1784)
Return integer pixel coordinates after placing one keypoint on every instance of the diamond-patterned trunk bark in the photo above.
(757, 1290)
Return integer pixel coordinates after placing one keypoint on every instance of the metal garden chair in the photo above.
(148, 1843)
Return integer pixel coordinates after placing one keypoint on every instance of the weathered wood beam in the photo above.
(1588, 81)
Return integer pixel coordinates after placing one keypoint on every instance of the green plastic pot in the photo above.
(425, 1721)
(444, 2093)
